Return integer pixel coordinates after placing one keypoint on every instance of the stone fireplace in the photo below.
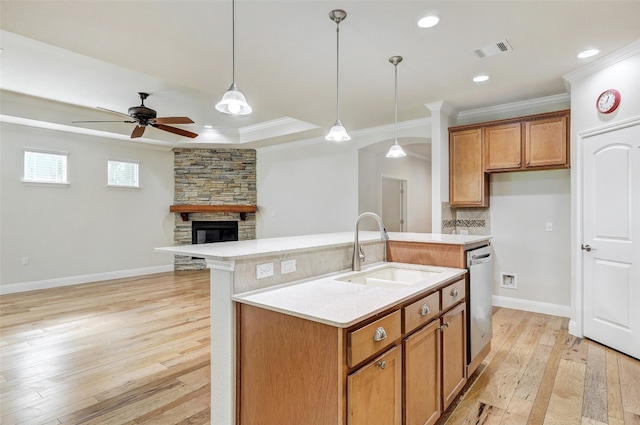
(213, 177)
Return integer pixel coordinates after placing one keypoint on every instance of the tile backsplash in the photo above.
(474, 220)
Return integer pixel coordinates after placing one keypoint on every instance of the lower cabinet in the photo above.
(374, 392)
(435, 366)
(422, 384)
(402, 367)
(454, 349)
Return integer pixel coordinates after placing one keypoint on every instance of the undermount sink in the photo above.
(390, 277)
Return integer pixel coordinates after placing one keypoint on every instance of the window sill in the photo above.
(44, 184)
(116, 187)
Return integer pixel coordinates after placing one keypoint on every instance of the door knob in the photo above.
(586, 248)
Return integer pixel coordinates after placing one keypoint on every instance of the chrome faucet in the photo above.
(358, 254)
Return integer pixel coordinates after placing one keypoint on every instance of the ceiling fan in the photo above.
(143, 117)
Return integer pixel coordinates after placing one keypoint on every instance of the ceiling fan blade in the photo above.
(137, 132)
(173, 120)
(175, 130)
(114, 112)
(104, 121)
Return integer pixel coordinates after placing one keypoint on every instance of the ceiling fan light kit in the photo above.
(233, 101)
(338, 133)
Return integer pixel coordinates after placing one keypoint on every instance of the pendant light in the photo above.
(233, 101)
(396, 150)
(338, 133)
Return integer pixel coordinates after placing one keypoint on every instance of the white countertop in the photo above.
(256, 247)
(437, 238)
(341, 304)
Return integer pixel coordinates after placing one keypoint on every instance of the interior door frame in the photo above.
(404, 202)
(576, 324)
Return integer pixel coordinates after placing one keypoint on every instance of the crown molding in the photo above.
(513, 107)
(598, 65)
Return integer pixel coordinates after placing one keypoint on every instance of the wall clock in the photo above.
(608, 101)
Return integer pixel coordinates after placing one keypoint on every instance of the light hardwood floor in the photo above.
(136, 351)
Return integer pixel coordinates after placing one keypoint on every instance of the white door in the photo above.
(611, 239)
(394, 200)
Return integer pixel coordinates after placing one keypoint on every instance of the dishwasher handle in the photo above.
(480, 259)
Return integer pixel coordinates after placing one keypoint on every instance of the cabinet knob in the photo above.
(424, 310)
(379, 334)
(444, 325)
(455, 292)
(382, 364)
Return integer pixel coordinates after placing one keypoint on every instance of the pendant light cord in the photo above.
(338, 70)
(396, 103)
(233, 43)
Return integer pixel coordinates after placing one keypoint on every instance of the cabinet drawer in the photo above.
(421, 312)
(452, 294)
(365, 342)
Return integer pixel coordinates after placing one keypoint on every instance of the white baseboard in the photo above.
(532, 306)
(76, 280)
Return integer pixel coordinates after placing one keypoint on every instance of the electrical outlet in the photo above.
(464, 232)
(509, 280)
(264, 270)
(25, 261)
(549, 227)
(287, 266)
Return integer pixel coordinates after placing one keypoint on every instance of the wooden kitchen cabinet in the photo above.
(546, 142)
(422, 386)
(297, 371)
(502, 147)
(534, 142)
(374, 392)
(468, 183)
(454, 349)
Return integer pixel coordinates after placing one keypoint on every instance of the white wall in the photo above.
(312, 186)
(306, 189)
(618, 71)
(417, 173)
(85, 231)
(522, 203)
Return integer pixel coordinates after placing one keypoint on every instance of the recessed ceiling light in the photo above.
(481, 78)
(588, 53)
(429, 21)
(208, 127)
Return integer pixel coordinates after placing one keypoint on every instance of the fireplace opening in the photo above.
(213, 231)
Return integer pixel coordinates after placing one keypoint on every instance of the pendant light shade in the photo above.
(233, 101)
(338, 133)
(396, 150)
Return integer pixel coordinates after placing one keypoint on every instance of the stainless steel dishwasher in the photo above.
(480, 302)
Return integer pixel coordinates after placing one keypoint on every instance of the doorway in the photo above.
(393, 200)
(610, 246)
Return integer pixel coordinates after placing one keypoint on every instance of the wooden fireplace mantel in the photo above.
(184, 210)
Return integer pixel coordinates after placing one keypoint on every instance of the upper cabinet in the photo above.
(535, 142)
(468, 184)
(546, 142)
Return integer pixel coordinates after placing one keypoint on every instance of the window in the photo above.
(45, 167)
(122, 173)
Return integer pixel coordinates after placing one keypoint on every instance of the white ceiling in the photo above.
(71, 56)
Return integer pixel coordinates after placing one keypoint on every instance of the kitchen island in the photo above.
(245, 267)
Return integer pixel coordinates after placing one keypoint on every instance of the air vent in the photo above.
(492, 49)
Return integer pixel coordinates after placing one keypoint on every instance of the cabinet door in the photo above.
(422, 376)
(374, 392)
(503, 147)
(468, 183)
(546, 142)
(454, 350)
